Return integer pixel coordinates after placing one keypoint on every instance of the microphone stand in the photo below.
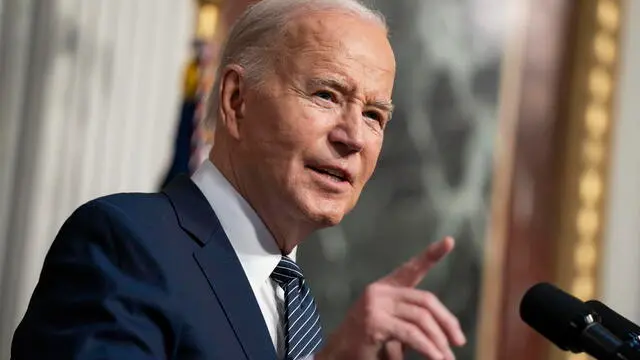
(630, 349)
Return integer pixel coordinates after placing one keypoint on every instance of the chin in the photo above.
(324, 212)
(329, 219)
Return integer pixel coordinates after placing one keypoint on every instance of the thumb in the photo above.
(413, 271)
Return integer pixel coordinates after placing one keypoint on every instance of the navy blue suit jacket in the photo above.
(143, 276)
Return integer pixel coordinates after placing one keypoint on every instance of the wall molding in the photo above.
(587, 152)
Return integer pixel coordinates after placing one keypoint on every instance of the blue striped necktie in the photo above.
(303, 333)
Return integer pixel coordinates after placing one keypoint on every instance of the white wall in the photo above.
(89, 96)
(621, 267)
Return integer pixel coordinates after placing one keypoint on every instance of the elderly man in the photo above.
(206, 269)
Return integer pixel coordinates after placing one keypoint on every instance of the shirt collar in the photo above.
(251, 240)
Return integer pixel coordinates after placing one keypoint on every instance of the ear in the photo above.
(232, 95)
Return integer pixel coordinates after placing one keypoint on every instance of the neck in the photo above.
(287, 229)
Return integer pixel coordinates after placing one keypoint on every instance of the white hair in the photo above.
(261, 28)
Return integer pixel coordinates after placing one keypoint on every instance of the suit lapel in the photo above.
(234, 293)
(221, 266)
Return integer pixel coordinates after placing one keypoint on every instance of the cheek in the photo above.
(370, 156)
(272, 129)
(305, 127)
(284, 132)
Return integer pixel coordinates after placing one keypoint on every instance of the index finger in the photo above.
(413, 271)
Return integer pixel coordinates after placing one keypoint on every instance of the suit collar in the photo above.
(250, 238)
(194, 214)
(221, 267)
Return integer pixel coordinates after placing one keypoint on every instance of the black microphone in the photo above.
(620, 326)
(569, 323)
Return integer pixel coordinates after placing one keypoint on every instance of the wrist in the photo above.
(341, 346)
(331, 350)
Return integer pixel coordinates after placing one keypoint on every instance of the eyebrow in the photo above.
(384, 105)
(343, 87)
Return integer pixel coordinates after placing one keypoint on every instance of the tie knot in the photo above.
(286, 271)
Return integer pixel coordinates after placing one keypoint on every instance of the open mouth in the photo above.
(336, 175)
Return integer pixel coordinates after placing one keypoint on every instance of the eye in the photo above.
(374, 115)
(325, 95)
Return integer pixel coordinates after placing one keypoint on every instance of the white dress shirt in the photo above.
(253, 243)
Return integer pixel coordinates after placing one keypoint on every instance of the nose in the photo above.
(348, 135)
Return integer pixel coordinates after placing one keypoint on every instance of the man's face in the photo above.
(313, 131)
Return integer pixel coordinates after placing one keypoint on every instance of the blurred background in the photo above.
(516, 132)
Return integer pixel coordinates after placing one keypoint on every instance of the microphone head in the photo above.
(557, 315)
(616, 323)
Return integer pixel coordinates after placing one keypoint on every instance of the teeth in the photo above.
(333, 172)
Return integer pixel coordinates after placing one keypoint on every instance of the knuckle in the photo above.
(372, 297)
(372, 290)
(429, 297)
(439, 338)
(449, 320)
(454, 322)
(369, 293)
(369, 306)
(372, 319)
(373, 328)
(427, 318)
(377, 337)
(434, 332)
(408, 332)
